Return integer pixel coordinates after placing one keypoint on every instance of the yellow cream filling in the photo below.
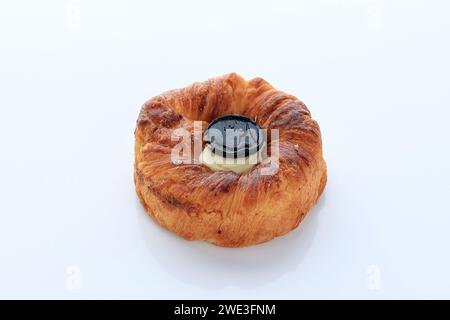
(216, 162)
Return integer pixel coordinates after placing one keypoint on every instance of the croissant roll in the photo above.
(223, 207)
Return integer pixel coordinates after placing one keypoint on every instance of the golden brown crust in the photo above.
(226, 208)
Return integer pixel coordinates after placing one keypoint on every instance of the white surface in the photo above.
(73, 76)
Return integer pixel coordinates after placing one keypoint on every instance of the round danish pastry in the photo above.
(263, 190)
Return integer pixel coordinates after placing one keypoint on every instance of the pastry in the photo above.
(230, 204)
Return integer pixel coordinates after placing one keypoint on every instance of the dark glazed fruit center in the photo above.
(234, 136)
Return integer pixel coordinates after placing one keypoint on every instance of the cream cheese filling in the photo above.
(216, 162)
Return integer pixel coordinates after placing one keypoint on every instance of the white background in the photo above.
(73, 75)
